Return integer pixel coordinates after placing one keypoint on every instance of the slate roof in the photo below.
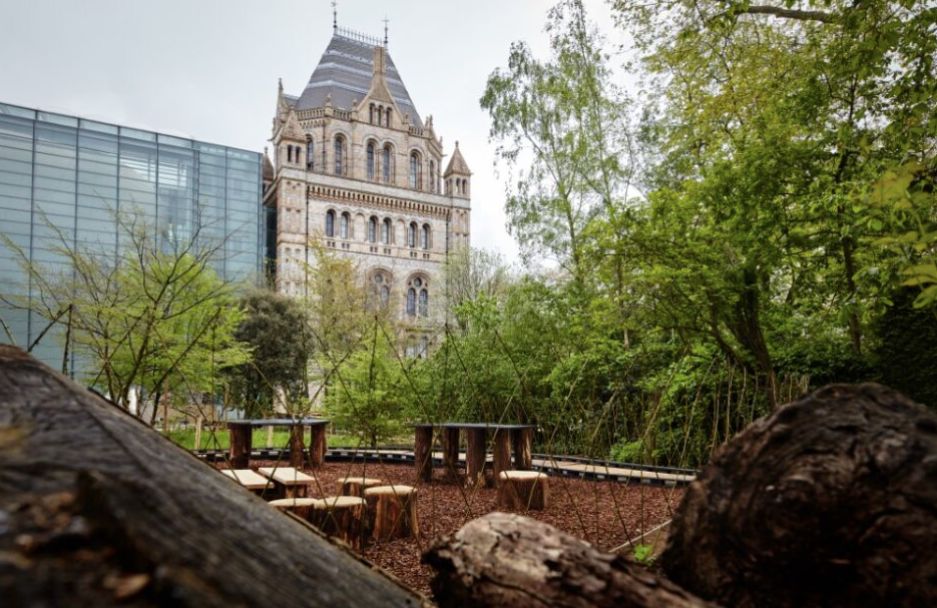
(457, 163)
(344, 72)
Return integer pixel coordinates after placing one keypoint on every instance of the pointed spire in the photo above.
(386, 20)
(334, 15)
(457, 164)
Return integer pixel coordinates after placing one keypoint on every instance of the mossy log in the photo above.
(98, 509)
(830, 501)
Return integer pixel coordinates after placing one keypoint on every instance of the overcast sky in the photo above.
(208, 69)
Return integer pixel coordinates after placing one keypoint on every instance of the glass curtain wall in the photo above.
(67, 178)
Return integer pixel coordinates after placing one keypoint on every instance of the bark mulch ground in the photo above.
(606, 514)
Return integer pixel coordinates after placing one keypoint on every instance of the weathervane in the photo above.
(385, 30)
(334, 15)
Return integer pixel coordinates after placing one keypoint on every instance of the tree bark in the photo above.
(502, 454)
(239, 452)
(522, 439)
(827, 502)
(423, 453)
(523, 490)
(317, 445)
(450, 455)
(340, 516)
(99, 510)
(296, 446)
(355, 486)
(475, 455)
(511, 560)
(393, 512)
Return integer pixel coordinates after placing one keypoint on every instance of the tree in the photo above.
(276, 329)
(155, 321)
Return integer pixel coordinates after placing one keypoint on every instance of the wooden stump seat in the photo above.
(392, 512)
(291, 482)
(340, 516)
(355, 486)
(301, 507)
(523, 490)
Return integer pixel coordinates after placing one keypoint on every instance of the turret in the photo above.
(457, 176)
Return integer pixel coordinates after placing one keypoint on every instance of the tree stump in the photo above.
(392, 512)
(423, 452)
(502, 454)
(450, 454)
(240, 450)
(523, 490)
(317, 445)
(503, 559)
(355, 486)
(522, 438)
(300, 507)
(829, 501)
(296, 446)
(475, 455)
(340, 516)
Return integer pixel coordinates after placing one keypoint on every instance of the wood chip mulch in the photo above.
(606, 514)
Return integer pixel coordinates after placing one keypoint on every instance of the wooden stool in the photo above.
(392, 509)
(341, 516)
(355, 486)
(522, 490)
(301, 507)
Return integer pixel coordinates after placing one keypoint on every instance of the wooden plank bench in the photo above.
(291, 482)
(249, 479)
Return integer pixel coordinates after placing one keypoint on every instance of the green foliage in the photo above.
(644, 554)
(276, 329)
(906, 355)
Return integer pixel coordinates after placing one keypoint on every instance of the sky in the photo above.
(208, 69)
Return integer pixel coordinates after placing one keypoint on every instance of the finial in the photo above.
(280, 84)
(334, 15)
(457, 143)
(385, 30)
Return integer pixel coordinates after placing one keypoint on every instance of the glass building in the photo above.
(67, 177)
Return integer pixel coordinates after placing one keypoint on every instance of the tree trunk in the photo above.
(510, 560)
(99, 510)
(240, 449)
(827, 502)
(355, 486)
(475, 455)
(296, 446)
(502, 454)
(392, 510)
(523, 490)
(450, 455)
(317, 446)
(423, 453)
(522, 439)
(340, 516)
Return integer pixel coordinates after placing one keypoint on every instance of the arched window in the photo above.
(411, 302)
(385, 162)
(371, 114)
(372, 230)
(416, 171)
(289, 154)
(370, 160)
(424, 303)
(432, 176)
(339, 155)
(387, 122)
(385, 231)
(343, 225)
(380, 289)
(411, 235)
(424, 236)
(310, 157)
(330, 223)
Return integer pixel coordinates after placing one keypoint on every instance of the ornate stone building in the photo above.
(357, 169)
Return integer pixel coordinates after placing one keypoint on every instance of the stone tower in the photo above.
(356, 169)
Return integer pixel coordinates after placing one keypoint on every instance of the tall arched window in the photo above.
(385, 162)
(371, 114)
(424, 303)
(387, 121)
(370, 160)
(411, 235)
(330, 223)
(432, 176)
(289, 154)
(411, 302)
(424, 236)
(339, 155)
(343, 225)
(372, 230)
(380, 289)
(416, 171)
(310, 157)
(385, 231)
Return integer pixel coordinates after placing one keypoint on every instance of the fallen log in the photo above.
(510, 560)
(98, 509)
(830, 501)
